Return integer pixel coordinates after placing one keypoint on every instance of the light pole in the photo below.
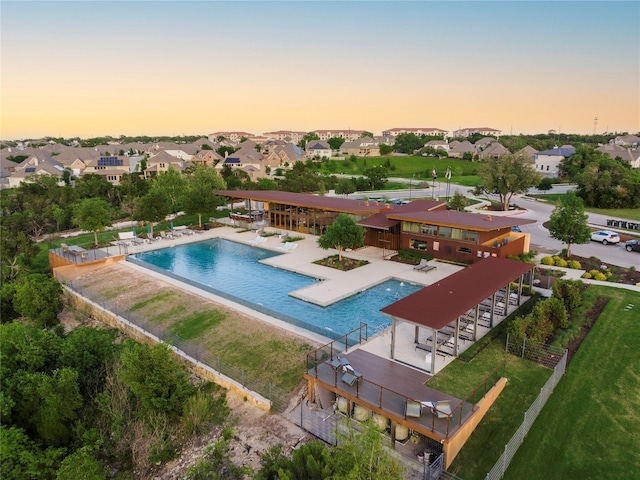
(410, 180)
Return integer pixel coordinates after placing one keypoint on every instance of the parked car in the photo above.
(605, 237)
(632, 245)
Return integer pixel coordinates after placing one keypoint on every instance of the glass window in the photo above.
(418, 244)
(463, 250)
(444, 232)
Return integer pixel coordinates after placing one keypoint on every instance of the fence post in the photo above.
(504, 462)
(524, 342)
(506, 346)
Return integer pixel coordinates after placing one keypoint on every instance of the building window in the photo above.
(547, 168)
(418, 244)
(463, 250)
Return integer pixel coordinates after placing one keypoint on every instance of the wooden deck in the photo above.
(385, 386)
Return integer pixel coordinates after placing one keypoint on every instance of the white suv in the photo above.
(605, 237)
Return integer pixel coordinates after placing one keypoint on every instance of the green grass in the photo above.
(196, 324)
(590, 427)
(405, 167)
(628, 213)
(161, 297)
(487, 441)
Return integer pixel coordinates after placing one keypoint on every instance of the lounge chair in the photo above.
(421, 265)
(442, 409)
(414, 409)
(188, 231)
(166, 235)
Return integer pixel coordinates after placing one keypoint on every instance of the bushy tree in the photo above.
(458, 202)
(343, 233)
(568, 222)
(151, 208)
(376, 177)
(93, 215)
(199, 196)
(408, 143)
(335, 142)
(507, 176)
(39, 299)
(158, 382)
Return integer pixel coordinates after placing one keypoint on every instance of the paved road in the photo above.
(536, 210)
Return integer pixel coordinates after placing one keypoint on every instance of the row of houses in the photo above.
(258, 160)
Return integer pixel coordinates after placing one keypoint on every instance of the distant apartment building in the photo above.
(467, 132)
(231, 136)
(430, 132)
(349, 135)
(285, 135)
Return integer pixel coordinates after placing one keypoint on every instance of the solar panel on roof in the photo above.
(30, 169)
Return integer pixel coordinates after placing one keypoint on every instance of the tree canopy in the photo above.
(568, 222)
(93, 215)
(38, 298)
(507, 176)
(199, 196)
(343, 233)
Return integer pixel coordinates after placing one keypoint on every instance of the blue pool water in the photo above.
(232, 270)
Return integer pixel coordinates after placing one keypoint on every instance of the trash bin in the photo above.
(206, 226)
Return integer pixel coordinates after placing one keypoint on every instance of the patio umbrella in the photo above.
(172, 226)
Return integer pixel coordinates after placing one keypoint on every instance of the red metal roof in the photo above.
(441, 303)
(453, 218)
(381, 220)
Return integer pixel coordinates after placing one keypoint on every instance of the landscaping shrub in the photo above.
(411, 255)
(560, 262)
(586, 275)
(594, 272)
(574, 264)
(547, 261)
(600, 276)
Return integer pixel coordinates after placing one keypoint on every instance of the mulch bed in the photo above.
(592, 316)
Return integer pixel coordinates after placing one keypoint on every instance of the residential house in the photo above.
(270, 145)
(362, 147)
(632, 157)
(430, 132)
(246, 159)
(547, 162)
(493, 150)
(458, 149)
(35, 165)
(206, 157)
(111, 168)
(318, 149)
(483, 143)
(438, 144)
(467, 132)
(283, 155)
(632, 141)
(161, 162)
(528, 152)
(349, 135)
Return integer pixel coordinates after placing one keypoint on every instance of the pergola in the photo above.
(458, 303)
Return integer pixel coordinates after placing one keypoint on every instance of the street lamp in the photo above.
(410, 179)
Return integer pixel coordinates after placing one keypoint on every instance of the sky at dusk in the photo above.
(84, 68)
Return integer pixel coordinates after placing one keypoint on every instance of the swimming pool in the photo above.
(233, 270)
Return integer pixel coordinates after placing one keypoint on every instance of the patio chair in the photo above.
(414, 409)
(443, 408)
(350, 377)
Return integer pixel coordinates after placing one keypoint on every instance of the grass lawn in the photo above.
(246, 344)
(628, 213)
(405, 167)
(487, 442)
(590, 427)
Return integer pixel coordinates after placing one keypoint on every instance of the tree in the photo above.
(408, 143)
(568, 222)
(458, 201)
(171, 184)
(39, 299)
(545, 184)
(199, 196)
(345, 186)
(160, 384)
(93, 215)
(225, 150)
(385, 149)
(307, 138)
(151, 208)
(377, 177)
(82, 464)
(507, 176)
(335, 142)
(343, 233)
(366, 134)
